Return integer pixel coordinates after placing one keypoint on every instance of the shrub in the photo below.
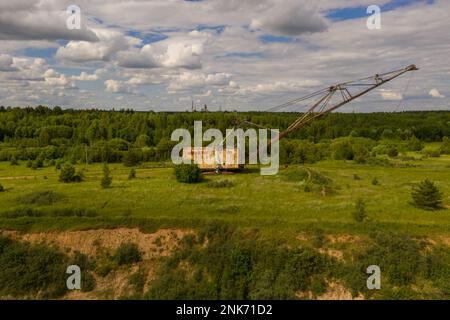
(375, 181)
(127, 253)
(40, 198)
(68, 174)
(359, 213)
(426, 195)
(317, 237)
(31, 270)
(14, 161)
(392, 152)
(188, 173)
(414, 144)
(38, 162)
(29, 163)
(132, 174)
(130, 159)
(445, 146)
(106, 179)
(230, 265)
(2, 189)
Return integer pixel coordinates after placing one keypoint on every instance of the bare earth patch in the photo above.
(160, 243)
(335, 291)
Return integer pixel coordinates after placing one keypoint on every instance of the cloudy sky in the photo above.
(228, 54)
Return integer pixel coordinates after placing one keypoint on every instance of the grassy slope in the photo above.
(270, 203)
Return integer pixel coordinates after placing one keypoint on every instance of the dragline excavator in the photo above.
(323, 101)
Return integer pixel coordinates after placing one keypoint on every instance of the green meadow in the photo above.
(278, 203)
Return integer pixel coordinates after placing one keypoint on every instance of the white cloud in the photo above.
(116, 86)
(290, 18)
(85, 77)
(178, 52)
(110, 42)
(435, 93)
(38, 20)
(390, 95)
(6, 63)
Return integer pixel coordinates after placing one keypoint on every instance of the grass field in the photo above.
(275, 203)
(294, 232)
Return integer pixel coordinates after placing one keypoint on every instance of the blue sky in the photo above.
(161, 55)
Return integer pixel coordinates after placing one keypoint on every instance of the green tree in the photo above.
(106, 179)
(142, 141)
(68, 174)
(130, 158)
(414, 144)
(188, 173)
(426, 195)
(445, 146)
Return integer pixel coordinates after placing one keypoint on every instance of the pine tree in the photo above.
(106, 179)
(426, 195)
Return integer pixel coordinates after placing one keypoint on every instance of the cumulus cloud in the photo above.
(390, 95)
(84, 76)
(54, 79)
(181, 52)
(116, 86)
(435, 93)
(189, 80)
(279, 86)
(6, 63)
(290, 18)
(110, 42)
(38, 20)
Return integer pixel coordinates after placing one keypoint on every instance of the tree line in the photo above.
(131, 136)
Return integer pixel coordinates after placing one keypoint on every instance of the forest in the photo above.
(43, 134)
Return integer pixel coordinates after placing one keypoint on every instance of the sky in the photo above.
(228, 54)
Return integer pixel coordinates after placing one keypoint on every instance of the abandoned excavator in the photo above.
(324, 101)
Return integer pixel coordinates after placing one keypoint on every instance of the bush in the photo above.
(40, 198)
(106, 179)
(27, 270)
(49, 212)
(14, 161)
(375, 181)
(38, 162)
(68, 174)
(426, 195)
(392, 152)
(127, 253)
(445, 146)
(130, 159)
(230, 265)
(2, 189)
(132, 174)
(188, 173)
(359, 213)
(414, 144)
